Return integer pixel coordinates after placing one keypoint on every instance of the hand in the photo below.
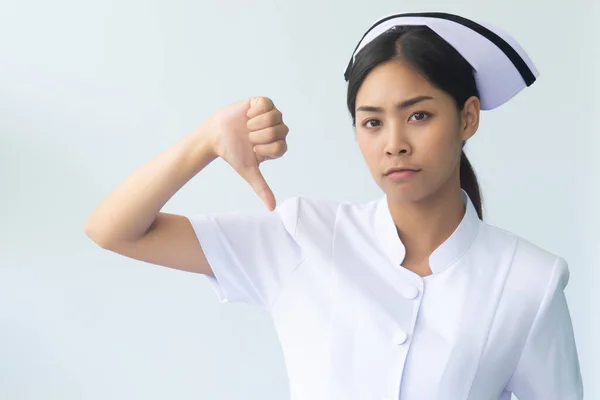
(245, 134)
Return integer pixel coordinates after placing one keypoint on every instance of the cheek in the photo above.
(440, 151)
(369, 150)
(441, 139)
(364, 145)
(437, 146)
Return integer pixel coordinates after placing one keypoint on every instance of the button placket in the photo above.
(410, 288)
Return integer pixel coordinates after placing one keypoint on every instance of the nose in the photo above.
(397, 142)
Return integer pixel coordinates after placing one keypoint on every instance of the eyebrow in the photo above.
(402, 105)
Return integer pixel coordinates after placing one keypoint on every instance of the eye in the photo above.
(420, 116)
(367, 122)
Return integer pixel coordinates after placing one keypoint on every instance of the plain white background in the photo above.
(91, 90)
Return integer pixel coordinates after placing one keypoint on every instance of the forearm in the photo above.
(130, 209)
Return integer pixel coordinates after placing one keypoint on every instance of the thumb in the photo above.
(256, 180)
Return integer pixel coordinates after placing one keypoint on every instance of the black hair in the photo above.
(439, 63)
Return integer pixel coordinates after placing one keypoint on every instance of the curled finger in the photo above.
(265, 120)
(269, 135)
(271, 150)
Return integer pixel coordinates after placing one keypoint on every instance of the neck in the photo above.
(424, 225)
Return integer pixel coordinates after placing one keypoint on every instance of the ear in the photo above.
(470, 117)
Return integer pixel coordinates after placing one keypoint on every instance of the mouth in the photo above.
(400, 170)
(400, 174)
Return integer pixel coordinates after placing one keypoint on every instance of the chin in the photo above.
(404, 192)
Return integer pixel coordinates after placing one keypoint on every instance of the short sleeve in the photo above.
(252, 254)
(549, 367)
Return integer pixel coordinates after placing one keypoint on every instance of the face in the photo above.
(402, 121)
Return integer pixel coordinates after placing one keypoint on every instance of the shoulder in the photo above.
(533, 269)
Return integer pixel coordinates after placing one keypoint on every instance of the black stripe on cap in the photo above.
(506, 48)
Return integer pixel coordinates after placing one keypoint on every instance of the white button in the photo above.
(409, 292)
(400, 337)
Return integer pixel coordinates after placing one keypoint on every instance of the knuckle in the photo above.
(281, 147)
(274, 118)
(266, 103)
(269, 101)
(280, 132)
(272, 134)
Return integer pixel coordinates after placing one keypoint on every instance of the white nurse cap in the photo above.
(500, 65)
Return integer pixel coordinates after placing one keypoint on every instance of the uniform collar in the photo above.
(446, 254)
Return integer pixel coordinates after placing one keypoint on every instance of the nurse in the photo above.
(411, 296)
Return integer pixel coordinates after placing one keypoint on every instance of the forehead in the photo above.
(392, 81)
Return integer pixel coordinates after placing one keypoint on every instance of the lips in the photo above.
(400, 169)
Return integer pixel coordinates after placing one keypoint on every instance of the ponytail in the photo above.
(468, 182)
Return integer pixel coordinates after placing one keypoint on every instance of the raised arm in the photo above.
(129, 221)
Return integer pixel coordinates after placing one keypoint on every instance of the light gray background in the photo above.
(91, 90)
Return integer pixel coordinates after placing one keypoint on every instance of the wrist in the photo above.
(205, 143)
(200, 148)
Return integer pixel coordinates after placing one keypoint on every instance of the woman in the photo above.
(411, 296)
